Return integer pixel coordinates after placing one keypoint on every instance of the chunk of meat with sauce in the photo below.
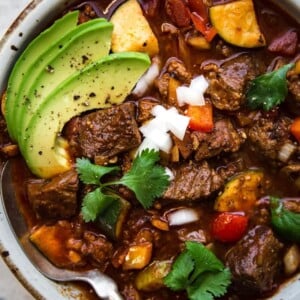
(285, 43)
(223, 138)
(54, 198)
(270, 134)
(228, 82)
(193, 181)
(174, 68)
(255, 261)
(294, 87)
(104, 134)
(97, 249)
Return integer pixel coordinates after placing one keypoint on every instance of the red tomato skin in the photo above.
(229, 227)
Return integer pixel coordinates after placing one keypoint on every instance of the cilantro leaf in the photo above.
(284, 221)
(90, 173)
(268, 90)
(94, 203)
(178, 278)
(204, 260)
(210, 285)
(198, 271)
(146, 179)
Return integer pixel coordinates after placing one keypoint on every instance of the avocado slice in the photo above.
(99, 85)
(34, 50)
(89, 42)
(83, 44)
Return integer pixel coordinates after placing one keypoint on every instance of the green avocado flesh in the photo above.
(99, 85)
(89, 42)
(27, 59)
(84, 44)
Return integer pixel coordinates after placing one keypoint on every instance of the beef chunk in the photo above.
(285, 43)
(173, 68)
(193, 181)
(224, 138)
(294, 86)
(228, 81)
(104, 133)
(255, 261)
(54, 198)
(145, 107)
(269, 134)
(97, 249)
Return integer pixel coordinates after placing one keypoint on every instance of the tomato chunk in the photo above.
(229, 227)
(201, 117)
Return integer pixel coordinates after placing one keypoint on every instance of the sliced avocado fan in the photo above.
(28, 57)
(99, 85)
(87, 43)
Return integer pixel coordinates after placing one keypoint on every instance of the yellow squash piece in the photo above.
(236, 23)
(131, 30)
(241, 192)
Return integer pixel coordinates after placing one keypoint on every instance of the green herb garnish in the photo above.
(285, 222)
(198, 271)
(146, 179)
(268, 90)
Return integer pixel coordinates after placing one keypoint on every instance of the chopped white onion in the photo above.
(199, 84)
(157, 129)
(147, 144)
(147, 79)
(194, 94)
(182, 216)
(154, 124)
(161, 139)
(169, 173)
(286, 152)
(177, 124)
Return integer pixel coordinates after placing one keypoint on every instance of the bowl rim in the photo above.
(31, 20)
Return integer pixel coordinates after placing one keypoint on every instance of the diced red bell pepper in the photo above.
(201, 117)
(295, 129)
(205, 28)
(200, 8)
(229, 227)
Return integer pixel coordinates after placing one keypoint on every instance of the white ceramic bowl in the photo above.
(32, 20)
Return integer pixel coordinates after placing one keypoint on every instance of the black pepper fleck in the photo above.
(5, 254)
(13, 47)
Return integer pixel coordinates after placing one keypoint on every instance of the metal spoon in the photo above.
(103, 285)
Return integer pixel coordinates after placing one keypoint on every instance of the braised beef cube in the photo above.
(223, 138)
(184, 146)
(174, 68)
(193, 181)
(269, 135)
(294, 87)
(54, 198)
(97, 249)
(228, 82)
(255, 261)
(145, 107)
(106, 133)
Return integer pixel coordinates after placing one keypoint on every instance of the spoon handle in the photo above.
(103, 285)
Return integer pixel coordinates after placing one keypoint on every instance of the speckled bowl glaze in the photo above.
(35, 17)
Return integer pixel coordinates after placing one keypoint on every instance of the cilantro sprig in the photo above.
(268, 90)
(198, 271)
(146, 179)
